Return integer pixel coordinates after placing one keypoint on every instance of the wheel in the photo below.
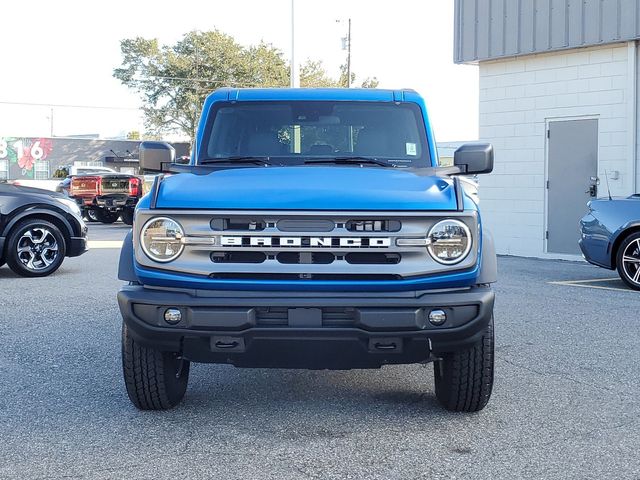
(464, 379)
(127, 216)
(155, 380)
(90, 215)
(35, 248)
(628, 260)
(105, 216)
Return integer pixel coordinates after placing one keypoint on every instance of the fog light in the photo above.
(436, 317)
(172, 315)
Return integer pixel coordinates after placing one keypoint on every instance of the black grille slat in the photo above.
(239, 224)
(305, 225)
(238, 257)
(362, 258)
(306, 258)
(373, 225)
(331, 316)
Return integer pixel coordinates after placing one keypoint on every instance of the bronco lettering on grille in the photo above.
(304, 242)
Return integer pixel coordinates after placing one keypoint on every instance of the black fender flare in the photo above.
(489, 266)
(126, 272)
(36, 210)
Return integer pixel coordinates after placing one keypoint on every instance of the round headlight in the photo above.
(449, 241)
(160, 239)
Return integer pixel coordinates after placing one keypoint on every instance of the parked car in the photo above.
(65, 185)
(611, 237)
(107, 196)
(314, 229)
(38, 228)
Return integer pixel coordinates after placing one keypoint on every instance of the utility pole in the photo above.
(295, 70)
(51, 123)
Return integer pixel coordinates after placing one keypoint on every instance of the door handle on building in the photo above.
(593, 187)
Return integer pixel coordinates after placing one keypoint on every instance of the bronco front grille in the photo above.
(289, 245)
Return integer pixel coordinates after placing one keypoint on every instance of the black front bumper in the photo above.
(77, 246)
(302, 330)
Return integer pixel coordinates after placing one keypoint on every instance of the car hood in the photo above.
(308, 188)
(22, 190)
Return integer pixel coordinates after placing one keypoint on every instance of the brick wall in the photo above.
(517, 97)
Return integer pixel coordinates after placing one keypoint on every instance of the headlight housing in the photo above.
(449, 241)
(161, 239)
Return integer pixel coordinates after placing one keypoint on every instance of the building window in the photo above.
(41, 170)
(4, 169)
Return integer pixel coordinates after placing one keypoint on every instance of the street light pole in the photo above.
(295, 71)
(349, 55)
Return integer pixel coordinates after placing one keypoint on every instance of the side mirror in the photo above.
(474, 158)
(156, 156)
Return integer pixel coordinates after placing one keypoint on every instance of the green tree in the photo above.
(313, 74)
(369, 82)
(173, 81)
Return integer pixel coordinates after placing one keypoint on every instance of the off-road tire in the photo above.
(150, 375)
(54, 238)
(628, 270)
(127, 216)
(105, 216)
(464, 379)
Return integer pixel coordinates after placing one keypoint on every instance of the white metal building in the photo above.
(559, 101)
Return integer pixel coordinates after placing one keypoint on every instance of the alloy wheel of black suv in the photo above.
(628, 260)
(36, 248)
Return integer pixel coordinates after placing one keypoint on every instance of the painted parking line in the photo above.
(590, 284)
(97, 244)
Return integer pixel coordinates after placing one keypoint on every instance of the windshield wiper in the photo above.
(237, 159)
(349, 160)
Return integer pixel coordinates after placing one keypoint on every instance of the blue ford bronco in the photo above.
(312, 228)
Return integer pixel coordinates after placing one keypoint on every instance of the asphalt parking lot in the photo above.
(565, 403)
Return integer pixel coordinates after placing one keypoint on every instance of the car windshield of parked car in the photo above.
(296, 132)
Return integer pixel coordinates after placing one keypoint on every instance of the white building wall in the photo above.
(517, 98)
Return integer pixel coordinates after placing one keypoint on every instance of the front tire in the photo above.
(628, 260)
(155, 380)
(464, 379)
(127, 216)
(35, 248)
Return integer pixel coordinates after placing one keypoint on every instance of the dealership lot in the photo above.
(564, 406)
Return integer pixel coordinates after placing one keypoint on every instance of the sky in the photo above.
(62, 53)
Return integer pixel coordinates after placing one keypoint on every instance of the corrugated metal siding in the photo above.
(490, 29)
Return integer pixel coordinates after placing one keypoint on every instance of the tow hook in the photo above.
(386, 345)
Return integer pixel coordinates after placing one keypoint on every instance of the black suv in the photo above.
(38, 228)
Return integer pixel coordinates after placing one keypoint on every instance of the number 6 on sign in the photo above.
(36, 151)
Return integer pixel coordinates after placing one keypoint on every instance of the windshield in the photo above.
(290, 133)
